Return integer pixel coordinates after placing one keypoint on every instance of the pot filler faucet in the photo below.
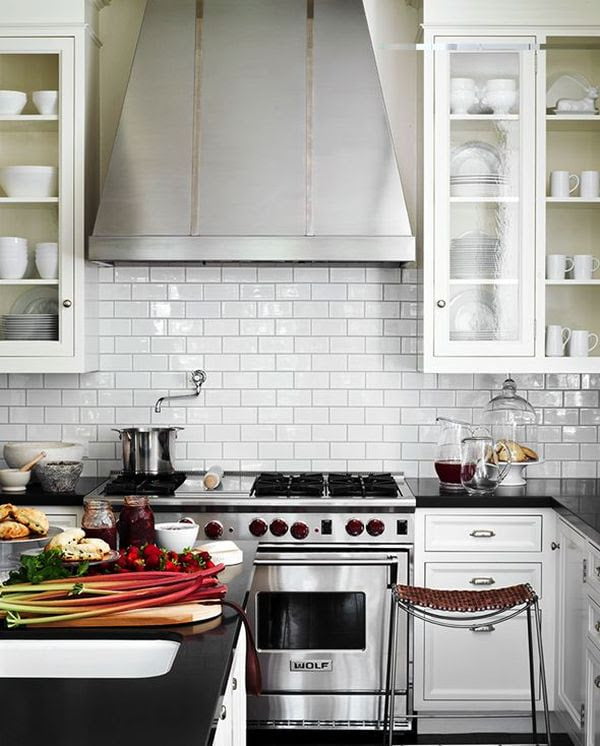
(198, 377)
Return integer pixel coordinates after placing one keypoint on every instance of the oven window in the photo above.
(311, 621)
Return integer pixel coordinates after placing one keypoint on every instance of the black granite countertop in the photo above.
(179, 707)
(35, 495)
(578, 500)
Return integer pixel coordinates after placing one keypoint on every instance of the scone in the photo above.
(82, 552)
(35, 520)
(67, 538)
(5, 511)
(99, 543)
(13, 530)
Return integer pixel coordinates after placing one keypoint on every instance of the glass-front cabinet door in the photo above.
(36, 197)
(484, 196)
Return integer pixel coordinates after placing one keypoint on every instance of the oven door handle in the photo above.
(391, 560)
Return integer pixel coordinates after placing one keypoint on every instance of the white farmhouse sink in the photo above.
(86, 659)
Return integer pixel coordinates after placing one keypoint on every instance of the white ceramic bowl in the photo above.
(13, 244)
(29, 181)
(501, 84)
(176, 536)
(13, 267)
(46, 260)
(12, 103)
(13, 480)
(461, 101)
(501, 102)
(46, 102)
(17, 453)
(462, 84)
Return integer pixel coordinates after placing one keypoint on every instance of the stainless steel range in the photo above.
(330, 546)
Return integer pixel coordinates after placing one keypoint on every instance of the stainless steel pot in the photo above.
(148, 450)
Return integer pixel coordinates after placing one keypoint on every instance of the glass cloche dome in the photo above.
(511, 419)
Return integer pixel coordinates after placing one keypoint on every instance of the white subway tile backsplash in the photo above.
(309, 367)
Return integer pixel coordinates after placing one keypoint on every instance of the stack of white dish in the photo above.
(13, 257)
(475, 255)
(30, 326)
(476, 171)
(478, 185)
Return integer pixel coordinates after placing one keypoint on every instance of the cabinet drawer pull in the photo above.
(482, 533)
(223, 713)
(597, 682)
(234, 683)
(598, 572)
(484, 628)
(482, 581)
(597, 627)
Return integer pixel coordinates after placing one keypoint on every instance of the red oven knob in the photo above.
(354, 527)
(299, 530)
(375, 527)
(279, 527)
(258, 527)
(214, 529)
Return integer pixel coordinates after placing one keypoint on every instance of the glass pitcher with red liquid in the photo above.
(448, 452)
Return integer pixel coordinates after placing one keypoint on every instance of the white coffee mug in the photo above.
(582, 343)
(557, 266)
(557, 337)
(585, 266)
(563, 184)
(46, 260)
(589, 187)
(462, 84)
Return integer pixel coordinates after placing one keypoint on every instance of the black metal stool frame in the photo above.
(469, 620)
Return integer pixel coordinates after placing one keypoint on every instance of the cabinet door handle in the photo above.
(441, 303)
(223, 713)
(598, 572)
(482, 581)
(67, 303)
(234, 683)
(597, 682)
(554, 546)
(482, 533)
(484, 628)
(597, 627)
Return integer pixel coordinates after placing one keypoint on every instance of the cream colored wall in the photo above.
(119, 28)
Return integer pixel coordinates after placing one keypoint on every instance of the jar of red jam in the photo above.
(136, 522)
(99, 522)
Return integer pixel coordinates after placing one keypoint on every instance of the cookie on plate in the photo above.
(35, 520)
(13, 530)
(5, 511)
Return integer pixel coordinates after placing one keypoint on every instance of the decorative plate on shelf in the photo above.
(37, 300)
(478, 159)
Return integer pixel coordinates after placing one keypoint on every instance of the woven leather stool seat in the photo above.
(465, 601)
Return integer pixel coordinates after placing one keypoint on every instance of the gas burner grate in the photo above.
(362, 485)
(145, 484)
(275, 484)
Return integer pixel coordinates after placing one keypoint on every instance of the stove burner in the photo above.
(362, 485)
(276, 484)
(145, 484)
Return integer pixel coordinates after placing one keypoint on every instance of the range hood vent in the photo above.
(253, 130)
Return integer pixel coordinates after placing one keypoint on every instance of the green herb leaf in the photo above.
(43, 566)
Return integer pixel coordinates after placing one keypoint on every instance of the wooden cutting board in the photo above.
(150, 617)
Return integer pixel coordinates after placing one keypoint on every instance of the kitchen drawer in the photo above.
(482, 576)
(593, 626)
(594, 568)
(483, 533)
(487, 664)
(63, 517)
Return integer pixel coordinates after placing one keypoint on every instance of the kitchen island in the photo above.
(182, 706)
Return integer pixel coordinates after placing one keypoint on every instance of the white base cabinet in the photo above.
(485, 667)
(231, 712)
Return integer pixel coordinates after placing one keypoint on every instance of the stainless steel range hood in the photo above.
(253, 130)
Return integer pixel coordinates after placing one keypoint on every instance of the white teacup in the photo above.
(582, 343)
(557, 266)
(461, 101)
(46, 102)
(557, 337)
(563, 184)
(500, 101)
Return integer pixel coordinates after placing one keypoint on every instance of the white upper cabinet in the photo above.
(44, 311)
(491, 141)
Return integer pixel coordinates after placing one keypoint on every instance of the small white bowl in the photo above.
(29, 181)
(12, 103)
(13, 267)
(176, 537)
(17, 453)
(46, 102)
(13, 245)
(13, 480)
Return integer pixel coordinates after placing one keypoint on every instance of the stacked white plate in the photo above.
(478, 185)
(30, 326)
(475, 256)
